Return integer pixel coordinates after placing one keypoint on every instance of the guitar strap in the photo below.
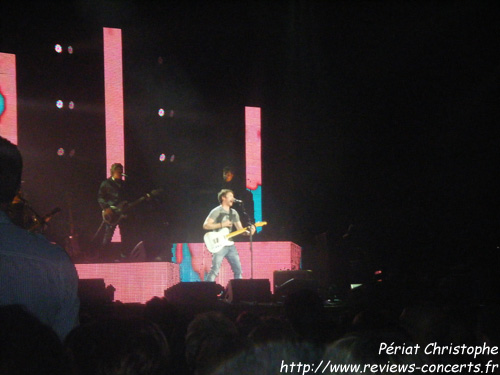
(221, 217)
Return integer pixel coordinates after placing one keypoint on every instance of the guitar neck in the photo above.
(153, 193)
(239, 231)
(235, 233)
(133, 204)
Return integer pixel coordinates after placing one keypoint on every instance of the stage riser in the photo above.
(134, 282)
(139, 282)
(196, 260)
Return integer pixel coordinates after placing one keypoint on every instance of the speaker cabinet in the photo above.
(252, 290)
(138, 253)
(287, 282)
(94, 291)
(281, 277)
(195, 293)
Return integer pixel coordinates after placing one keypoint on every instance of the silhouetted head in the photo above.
(11, 168)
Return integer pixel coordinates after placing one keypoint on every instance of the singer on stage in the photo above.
(224, 216)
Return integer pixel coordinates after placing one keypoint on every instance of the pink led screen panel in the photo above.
(113, 97)
(8, 97)
(253, 158)
(134, 282)
(253, 148)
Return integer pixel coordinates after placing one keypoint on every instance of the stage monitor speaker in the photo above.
(94, 291)
(251, 290)
(294, 285)
(281, 277)
(287, 282)
(138, 253)
(194, 293)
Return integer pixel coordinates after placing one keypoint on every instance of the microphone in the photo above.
(124, 175)
(237, 201)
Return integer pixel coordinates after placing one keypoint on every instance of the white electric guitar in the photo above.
(215, 241)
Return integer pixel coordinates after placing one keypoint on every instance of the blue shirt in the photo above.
(38, 275)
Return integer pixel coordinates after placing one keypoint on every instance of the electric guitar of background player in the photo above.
(114, 214)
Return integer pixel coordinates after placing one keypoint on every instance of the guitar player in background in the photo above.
(224, 216)
(112, 192)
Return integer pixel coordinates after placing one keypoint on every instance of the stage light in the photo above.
(59, 104)
(72, 153)
(160, 60)
(172, 158)
(71, 105)
(70, 50)
(58, 48)
(161, 112)
(162, 157)
(171, 113)
(60, 152)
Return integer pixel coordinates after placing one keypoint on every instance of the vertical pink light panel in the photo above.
(113, 97)
(8, 90)
(253, 158)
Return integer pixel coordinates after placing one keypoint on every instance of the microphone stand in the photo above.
(250, 222)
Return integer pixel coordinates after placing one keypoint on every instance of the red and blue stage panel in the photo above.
(195, 260)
